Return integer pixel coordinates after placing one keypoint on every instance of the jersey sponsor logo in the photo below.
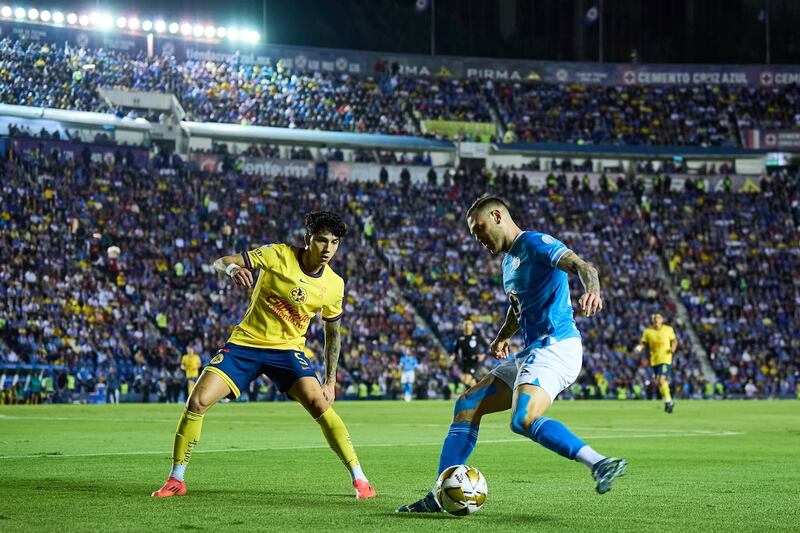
(287, 311)
(217, 359)
(298, 295)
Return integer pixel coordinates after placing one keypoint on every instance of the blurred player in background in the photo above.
(190, 364)
(294, 285)
(469, 353)
(535, 278)
(661, 341)
(408, 375)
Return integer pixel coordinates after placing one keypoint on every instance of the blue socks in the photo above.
(458, 444)
(554, 436)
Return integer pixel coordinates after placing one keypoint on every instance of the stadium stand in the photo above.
(69, 302)
(105, 274)
(42, 74)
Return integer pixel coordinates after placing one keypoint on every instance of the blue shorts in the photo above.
(240, 365)
(661, 370)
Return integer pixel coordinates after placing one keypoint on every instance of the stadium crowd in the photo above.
(735, 259)
(448, 278)
(105, 267)
(43, 74)
(105, 273)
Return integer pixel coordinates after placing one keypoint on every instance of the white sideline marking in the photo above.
(693, 433)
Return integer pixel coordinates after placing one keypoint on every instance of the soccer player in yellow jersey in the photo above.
(190, 364)
(660, 340)
(293, 286)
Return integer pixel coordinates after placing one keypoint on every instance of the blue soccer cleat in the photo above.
(605, 471)
(428, 504)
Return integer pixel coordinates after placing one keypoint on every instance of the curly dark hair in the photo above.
(325, 221)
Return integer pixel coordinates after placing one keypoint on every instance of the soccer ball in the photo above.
(461, 489)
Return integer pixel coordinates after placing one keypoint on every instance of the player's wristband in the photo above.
(231, 269)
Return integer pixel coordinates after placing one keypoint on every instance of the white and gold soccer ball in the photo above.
(461, 490)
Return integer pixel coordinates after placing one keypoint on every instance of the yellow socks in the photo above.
(664, 388)
(186, 437)
(339, 440)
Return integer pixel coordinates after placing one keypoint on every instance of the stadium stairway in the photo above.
(419, 321)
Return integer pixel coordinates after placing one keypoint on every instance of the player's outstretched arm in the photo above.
(333, 345)
(233, 266)
(590, 302)
(499, 346)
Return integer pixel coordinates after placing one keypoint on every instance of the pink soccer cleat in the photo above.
(364, 490)
(172, 487)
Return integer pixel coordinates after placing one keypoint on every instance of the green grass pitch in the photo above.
(711, 466)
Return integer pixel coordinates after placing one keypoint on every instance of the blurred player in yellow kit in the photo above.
(190, 364)
(660, 340)
(294, 284)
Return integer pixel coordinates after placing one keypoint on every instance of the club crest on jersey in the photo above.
(298, 295)
(515, 262)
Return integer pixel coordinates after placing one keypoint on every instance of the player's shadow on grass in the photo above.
(522, 520)
(124, 489)
(291, 497)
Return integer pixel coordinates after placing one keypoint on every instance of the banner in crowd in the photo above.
(256, 166)
(344, 171)
(371, 63)
(74, 150)
(480, 131)
(772, 139)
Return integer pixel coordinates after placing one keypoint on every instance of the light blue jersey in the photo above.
(538, 290)
(408, 363)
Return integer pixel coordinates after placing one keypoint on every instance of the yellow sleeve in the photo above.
(645, 338)
(262, 258)
(671, 334)
(332, 309)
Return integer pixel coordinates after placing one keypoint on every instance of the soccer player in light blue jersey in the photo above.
(536, 281)
(408, 374)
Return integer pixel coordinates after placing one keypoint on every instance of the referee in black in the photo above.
(469, 352)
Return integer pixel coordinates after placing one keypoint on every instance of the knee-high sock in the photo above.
(186, 437)
(458, 444)
(338, 438)
(664, 388)
(555, 436)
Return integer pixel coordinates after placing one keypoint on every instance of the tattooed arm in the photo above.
(333, 345)
(591, 302)
(499, 346)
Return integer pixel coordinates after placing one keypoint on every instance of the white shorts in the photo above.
(553, 368)
(407, 377)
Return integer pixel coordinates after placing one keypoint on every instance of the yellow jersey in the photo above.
(285, 299)
(658, 341)
(191, 365)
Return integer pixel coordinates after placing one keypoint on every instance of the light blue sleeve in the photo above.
(546, 248)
